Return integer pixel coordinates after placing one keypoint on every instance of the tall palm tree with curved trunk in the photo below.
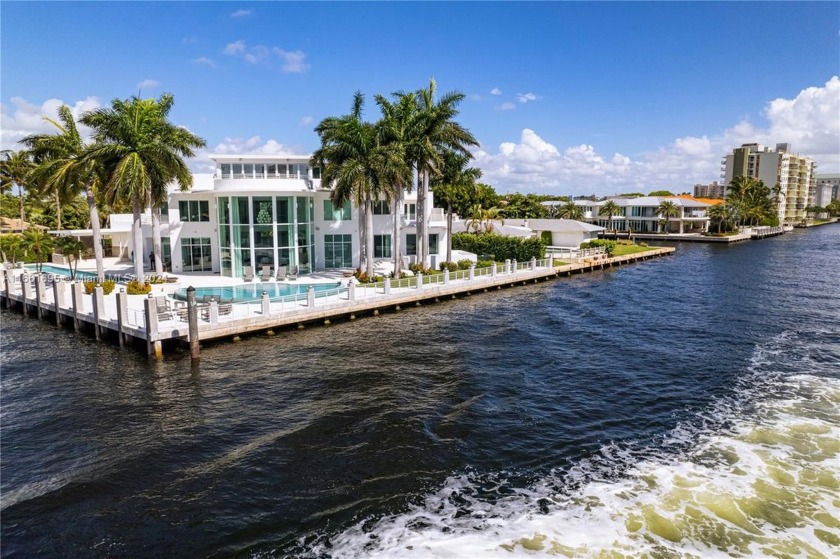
(63, 172)
(609, 209)
(350, 163)
(396, 138)
(436, 131)
(141, 152)
(570, 210)
(455, 181)
(14, 171)
(668, 209)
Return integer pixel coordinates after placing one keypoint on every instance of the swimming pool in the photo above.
(65, 273)
(253, 292)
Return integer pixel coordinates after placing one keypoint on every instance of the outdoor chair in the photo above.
(266, 273)
(249, 274)
(164, 308)
(281, 273)
(293, 274)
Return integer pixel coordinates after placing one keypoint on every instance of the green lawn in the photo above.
(623, 250)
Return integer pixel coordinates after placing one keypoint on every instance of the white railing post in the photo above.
(493, 270)
(387, 286)
(472, 272)
(351, 290)
(153, 345)
(533, 263)
(310, 296)
(98, 310)
(446, 276)
(507, 265)
(78, 304)
(266, 309)
(58, 298)
(26, 290)
(418, 280)
(39, 294)
(214, 311)
(122, 318)
(513, 265)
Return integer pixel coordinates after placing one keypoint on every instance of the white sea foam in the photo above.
(759, 475)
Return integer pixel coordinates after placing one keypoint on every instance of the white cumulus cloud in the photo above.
(526, 97)
(205, 61)
(495, 91)
(148, 84)
(508, 106)
(290, 61)
(242, 13)
(810, 122)
(24, 118)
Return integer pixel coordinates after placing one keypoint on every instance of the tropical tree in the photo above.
(454, 182)
(833, 208)
(668, 209)
(570, 210)
(351, 164)
(397, 139)
(10, 247)
(38, 244)
(72, 249)
(435, 131)
(722, 215)
(14, 170)
(63, 171)
(482, 218)
(754, 201)
(609, 209)
(140, 152)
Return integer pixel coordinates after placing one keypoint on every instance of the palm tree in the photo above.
(480, 218)
(718, 214)
(455, 181)
(140, 151)
(10, 247)
(64, 173)
(570, 210)
(71, 248)
(436, 130)
(397, 139)
(14, 170)
(351, 164)
(38, 243)
(668, 209)
(609, 209)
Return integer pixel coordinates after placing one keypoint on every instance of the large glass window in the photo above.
(338, 251)
(263, 210)
(410, 211)
(382, 246)
(331, 213)
(410, 244)
(433, 243)
(196, 254)
(194, 210)
(225, 170)
(381, 207)
(240, 210)
(316, 172)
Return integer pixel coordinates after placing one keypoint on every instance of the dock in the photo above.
(156, 321)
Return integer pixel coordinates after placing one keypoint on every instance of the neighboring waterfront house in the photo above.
(566, 233)
(640, 215)
(259, 210)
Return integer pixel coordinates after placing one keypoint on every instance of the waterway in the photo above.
(686, 406)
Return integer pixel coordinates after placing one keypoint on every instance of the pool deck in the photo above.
(136, 317)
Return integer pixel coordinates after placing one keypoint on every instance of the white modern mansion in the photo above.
(640, 214)
(258, 210)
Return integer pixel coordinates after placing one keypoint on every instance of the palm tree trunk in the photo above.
(449, 231)
(422, 189)
(362, 239)
(369, 234)
(137, 232)
(57, 210)
(156, 241)
(22, 212)
(397, 230)
(97, 232)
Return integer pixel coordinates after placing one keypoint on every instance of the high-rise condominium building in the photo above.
(831, 181)
(714, 190)
(793, 173)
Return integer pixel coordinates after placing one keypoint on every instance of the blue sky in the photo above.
(564, 97)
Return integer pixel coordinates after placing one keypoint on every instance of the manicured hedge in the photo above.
(501, 247)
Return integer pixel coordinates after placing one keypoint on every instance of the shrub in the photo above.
(107, 286)
(420, 269)
(501, 247)
(483, 263)
(451, 266)
(546, 237)
(609, 246)
(464, 264)
(134, 287)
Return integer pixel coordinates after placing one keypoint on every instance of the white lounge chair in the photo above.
(248, 273)
(265, 275)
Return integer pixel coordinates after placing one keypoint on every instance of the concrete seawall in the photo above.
(135, 318)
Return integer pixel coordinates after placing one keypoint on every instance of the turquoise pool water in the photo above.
(253, 292)
(64, 272)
